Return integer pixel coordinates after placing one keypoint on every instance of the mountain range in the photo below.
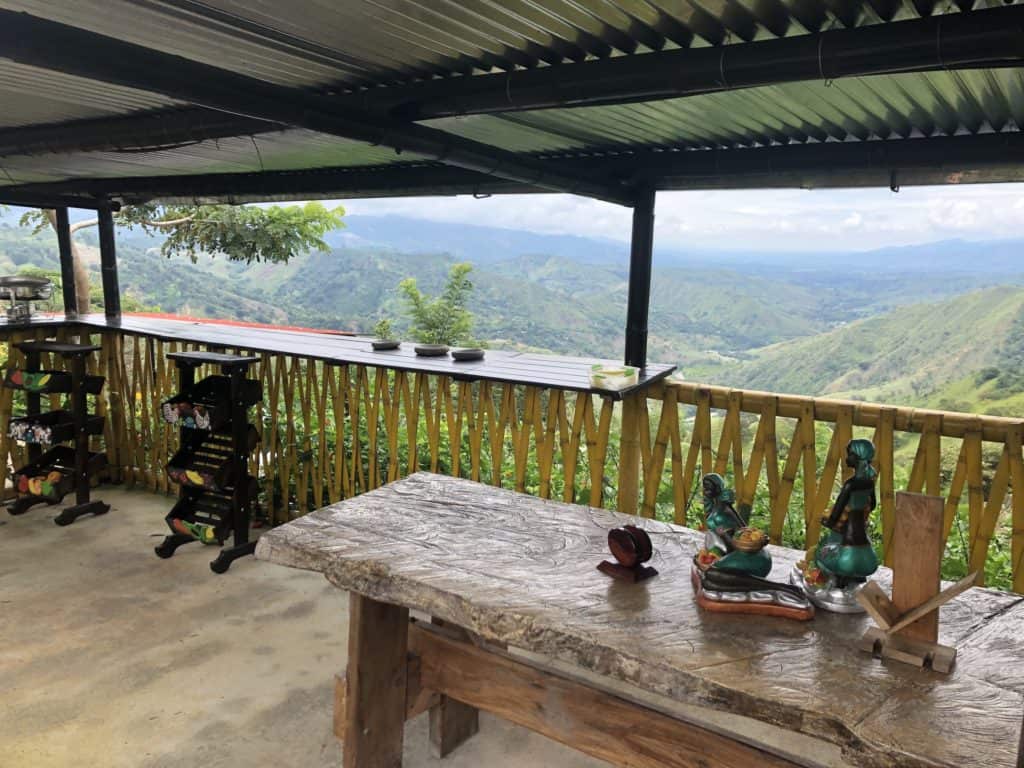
(939, 325)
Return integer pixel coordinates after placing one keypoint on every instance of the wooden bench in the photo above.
(525, 627)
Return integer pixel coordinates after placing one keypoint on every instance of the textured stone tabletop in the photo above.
(520, 570)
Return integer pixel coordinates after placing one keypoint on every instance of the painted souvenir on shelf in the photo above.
(186, 414)
(730, 571)
(837, 568)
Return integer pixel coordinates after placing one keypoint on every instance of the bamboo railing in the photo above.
(769, 462)
(333, 431)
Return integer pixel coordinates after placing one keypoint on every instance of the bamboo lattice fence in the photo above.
(332, 431)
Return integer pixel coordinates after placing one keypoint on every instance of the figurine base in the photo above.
(622, 573)
(828, 597)
(769, 599)
(918, 653)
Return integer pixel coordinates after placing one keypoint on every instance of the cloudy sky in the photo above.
(783, 220)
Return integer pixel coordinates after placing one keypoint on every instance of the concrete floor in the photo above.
(111, 657)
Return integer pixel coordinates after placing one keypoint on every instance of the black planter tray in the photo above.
(52, 476)
(205, 461)
(207, 479)
(207, 405)
(51, 427)
(48, 382)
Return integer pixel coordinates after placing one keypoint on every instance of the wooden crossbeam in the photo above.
(588, 719)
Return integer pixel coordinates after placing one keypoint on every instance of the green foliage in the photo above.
(382, 330)
(246, 233)
(442, 319)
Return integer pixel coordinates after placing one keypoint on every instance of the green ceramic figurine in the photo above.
(729, 572)
(722, 524)
(839, 566)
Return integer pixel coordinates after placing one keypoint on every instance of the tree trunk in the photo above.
(78, 267)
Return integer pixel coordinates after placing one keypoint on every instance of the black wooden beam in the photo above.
(405, 180)
(108, 264)
(42, 43)
(641, 254)
(136, 132)
(984, 38)
(985, 158)
(20, 196)
(67, 267)
(904, 162)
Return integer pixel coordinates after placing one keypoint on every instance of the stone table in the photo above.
(515, 572)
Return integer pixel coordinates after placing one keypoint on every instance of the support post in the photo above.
(641, 252)
(67, 264)
(633, 410)
(108, 264)
(375, 683)
(451, 721)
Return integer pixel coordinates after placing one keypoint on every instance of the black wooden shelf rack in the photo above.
(49, 476)
(212, 464)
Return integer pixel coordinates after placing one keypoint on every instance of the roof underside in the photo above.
(140, 99)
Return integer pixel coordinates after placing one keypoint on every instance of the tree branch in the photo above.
(81, 224)
(171, 223)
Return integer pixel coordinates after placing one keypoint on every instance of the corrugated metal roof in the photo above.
(284, 150)
(30, 95)
(345, 44)
(883, 106)
(355, 42)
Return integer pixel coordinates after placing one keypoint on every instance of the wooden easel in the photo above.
(908, 624)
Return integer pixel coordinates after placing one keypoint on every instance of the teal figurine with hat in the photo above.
(839, 566)
(730, 572)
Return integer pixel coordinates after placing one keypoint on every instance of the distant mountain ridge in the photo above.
(483, 244)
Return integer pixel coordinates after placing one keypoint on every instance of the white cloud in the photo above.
(854, 221)
(743, 220)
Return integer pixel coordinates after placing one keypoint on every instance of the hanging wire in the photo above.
(259, 154)
(156, 147)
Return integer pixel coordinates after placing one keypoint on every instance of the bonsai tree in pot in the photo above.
(384, 336)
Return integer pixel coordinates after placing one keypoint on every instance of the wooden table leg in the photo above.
(451, 721)
(378, 639)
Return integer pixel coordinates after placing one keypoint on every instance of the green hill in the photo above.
(964, 353)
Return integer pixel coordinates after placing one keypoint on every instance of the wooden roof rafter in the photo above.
(70, 50)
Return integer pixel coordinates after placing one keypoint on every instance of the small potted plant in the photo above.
(385, 337)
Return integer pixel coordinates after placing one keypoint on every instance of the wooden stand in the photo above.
(227, 509)
(631, 546)
(908, 624)
(622, 573)
(78, 465)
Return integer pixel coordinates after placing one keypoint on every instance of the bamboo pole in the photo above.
(629, 454)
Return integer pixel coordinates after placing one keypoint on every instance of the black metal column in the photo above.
(641, 252)
(108, 264)
(67, 265)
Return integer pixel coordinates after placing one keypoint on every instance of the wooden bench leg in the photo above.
(378, 639)
(451, 721)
